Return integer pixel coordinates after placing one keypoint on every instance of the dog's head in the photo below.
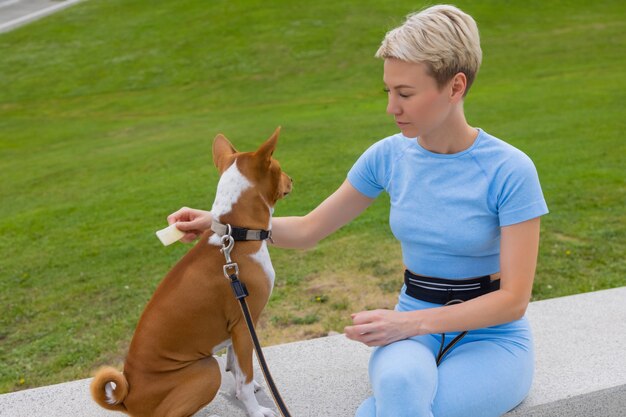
(259, 168)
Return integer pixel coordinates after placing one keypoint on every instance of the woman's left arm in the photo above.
(519, 247)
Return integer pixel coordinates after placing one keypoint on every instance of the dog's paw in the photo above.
(263, 412)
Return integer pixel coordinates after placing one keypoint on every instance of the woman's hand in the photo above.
(191, 221)
(381, 327)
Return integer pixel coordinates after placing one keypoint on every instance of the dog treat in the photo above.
(169, 235)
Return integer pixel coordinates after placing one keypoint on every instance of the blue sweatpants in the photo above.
(486, 374)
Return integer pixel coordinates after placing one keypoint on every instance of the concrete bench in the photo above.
(580, 370)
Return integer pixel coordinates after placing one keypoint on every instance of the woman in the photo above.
(465, 207)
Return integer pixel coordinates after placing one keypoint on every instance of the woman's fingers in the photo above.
(182, 214)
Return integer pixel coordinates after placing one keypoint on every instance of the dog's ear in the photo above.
(221, 148)
(266, 150)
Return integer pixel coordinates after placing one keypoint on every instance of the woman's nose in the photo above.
(392, 106)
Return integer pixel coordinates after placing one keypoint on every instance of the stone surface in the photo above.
(16, 13)
(580, 344)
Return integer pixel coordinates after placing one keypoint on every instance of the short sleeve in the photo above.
(369, 174)
(520, 196)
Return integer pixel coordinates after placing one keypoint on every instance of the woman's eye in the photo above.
(387, 90)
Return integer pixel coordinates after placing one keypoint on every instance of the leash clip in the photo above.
(227, 244)
(231, 266)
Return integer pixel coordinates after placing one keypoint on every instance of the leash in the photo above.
(444, 351)
(231, 272)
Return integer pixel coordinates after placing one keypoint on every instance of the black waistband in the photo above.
(441, 290)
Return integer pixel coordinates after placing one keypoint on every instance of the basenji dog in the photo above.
(170, 369)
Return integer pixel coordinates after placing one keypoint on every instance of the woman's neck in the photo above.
(454, 135)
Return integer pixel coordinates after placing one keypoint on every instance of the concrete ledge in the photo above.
(16, 13)
(581, 370)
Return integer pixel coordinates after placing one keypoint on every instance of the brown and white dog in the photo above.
(170, 370)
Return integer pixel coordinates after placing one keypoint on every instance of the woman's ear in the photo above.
(458, 86)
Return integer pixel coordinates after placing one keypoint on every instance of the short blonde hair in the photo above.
(443, 37)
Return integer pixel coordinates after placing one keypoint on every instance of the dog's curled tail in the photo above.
(109, 388)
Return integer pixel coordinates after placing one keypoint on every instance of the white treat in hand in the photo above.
(169, 235)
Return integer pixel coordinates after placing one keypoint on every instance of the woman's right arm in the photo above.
(290, 232)
(304, 232)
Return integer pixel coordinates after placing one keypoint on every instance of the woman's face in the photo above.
(414, 99)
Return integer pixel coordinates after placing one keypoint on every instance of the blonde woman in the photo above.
(465, 207)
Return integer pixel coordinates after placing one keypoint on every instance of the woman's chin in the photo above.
(409, 132)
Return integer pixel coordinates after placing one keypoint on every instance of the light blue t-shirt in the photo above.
(447, 209)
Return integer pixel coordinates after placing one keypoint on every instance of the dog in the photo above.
(170, 369)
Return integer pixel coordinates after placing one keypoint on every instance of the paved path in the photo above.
(16, 13)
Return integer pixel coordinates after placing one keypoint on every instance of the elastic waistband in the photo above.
(442, 290)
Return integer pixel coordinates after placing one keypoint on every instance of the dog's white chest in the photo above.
(262, 257)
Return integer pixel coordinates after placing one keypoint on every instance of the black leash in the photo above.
(444, 351)
(231, 271)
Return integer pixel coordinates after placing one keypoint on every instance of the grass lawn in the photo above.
(108, 110)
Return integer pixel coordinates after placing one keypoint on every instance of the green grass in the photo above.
(108, 109)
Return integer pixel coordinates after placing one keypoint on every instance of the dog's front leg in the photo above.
(230, 366)
(243, 372)
(230, 359)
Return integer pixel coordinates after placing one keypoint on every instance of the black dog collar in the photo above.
(240, 233)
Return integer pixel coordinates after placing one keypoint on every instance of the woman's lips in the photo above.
(401, 124)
